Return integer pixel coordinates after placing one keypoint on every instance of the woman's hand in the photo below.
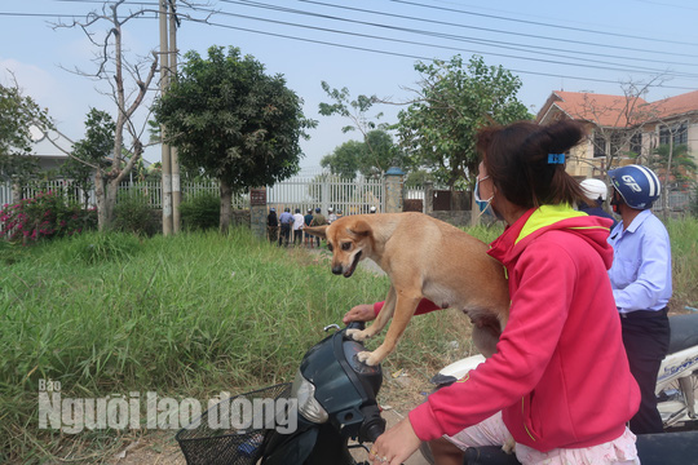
(395, 445)
(363, 312)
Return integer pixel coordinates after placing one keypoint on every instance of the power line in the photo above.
(484, 29)
(424, 58)
(536, 23)
(438, 35)
(459, 25)
(409, 42)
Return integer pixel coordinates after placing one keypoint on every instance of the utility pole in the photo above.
(174, 158)
(167, 224)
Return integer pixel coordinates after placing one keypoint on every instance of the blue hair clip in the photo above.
(556, 159)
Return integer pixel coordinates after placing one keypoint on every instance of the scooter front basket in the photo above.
(213, 440)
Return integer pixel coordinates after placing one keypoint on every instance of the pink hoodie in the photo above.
(560, 374)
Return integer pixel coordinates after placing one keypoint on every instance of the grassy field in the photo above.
(189, 316)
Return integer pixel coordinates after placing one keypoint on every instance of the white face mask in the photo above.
(484, 205)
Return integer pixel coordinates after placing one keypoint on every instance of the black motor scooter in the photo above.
(336, 402)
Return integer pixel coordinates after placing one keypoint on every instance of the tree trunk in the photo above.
(110, 201)
(100, 198)
(16, 192)
(665, 200)
(226, 206)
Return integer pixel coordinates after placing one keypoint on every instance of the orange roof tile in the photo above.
(611, 110)
(674, 106)
(606, 110)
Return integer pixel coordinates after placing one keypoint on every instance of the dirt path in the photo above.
(398, 395)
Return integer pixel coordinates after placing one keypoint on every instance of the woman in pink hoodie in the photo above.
(559, 384)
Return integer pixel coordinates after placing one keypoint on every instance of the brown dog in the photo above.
(423, 257)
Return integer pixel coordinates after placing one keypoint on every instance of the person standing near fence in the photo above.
(318, 220)
(307, 219)
(331, 217)
(286, 220)
(272, 225)
(298, 221)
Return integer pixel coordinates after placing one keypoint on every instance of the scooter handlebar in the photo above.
(374, 424)
(360, 325)
(374, 430)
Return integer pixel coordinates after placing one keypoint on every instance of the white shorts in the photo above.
(493, 432)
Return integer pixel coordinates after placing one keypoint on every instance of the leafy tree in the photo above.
(354, 110)
(418, 178)
(382, 154)
(372, 157)
(377, 152)
(233, 122)
(91, 153)
(345, 160)
(454, 100)
(682, 168)
(675, 167)
(18, 113)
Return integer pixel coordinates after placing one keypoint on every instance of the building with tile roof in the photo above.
(623, 128)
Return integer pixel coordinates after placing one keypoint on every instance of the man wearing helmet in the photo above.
(641, 281)
(331, 216)
(597, 192)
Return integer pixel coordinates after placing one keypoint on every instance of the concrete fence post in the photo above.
(394, 182)
(428, 197)
(258, 212)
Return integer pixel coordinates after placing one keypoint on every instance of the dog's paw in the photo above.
(368, 358)
(357, 335)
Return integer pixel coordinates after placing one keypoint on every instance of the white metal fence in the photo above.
(323, 191)
(302, 192)
(5, 194)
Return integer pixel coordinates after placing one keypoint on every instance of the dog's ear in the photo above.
(360, 228)
(316, 231)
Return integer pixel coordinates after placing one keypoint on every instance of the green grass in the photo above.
(186, 316)
(684, 253)
(189, 316)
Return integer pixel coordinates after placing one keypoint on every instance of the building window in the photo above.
(599, 146)
(679, 133)
(681, 136)
(636, 144)
(616, 144)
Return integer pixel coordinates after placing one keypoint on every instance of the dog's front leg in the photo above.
(405, 306)
(381, 320)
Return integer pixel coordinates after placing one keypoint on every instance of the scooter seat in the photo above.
(684, 332)
(653, 449)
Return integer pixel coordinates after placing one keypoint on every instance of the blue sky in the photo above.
(370, 47)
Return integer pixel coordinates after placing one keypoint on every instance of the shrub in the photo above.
(95, 247)
(10, 253)
(201, 212)
(133, 214)
(44, 217)
(694, 203)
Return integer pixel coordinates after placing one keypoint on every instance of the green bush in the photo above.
(45, 216)
(95, 248)
(694, 203)
(10, 253)
(133, 214)
(201, 211)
